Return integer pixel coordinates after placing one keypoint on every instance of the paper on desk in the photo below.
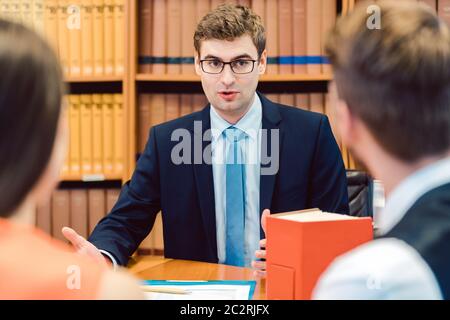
(203, 290)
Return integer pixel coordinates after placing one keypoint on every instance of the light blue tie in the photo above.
(235, 198)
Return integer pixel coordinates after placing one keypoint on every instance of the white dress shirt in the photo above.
(251, 124)
(388, 268)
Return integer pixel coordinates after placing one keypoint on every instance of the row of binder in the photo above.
(295, 32)
(88, 35)
(97, 137)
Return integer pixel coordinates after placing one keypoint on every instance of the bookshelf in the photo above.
(131, 82)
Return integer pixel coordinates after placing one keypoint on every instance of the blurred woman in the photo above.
(33, 136)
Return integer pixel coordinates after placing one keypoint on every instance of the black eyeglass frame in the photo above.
(231, 66)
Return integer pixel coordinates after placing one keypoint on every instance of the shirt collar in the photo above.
(410, 190)
(250, 123)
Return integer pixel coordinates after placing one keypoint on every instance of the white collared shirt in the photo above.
(251, 124)
(388, 268)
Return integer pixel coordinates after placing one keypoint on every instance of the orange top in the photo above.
(35, 266)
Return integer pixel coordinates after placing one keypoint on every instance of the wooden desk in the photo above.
(159, 268)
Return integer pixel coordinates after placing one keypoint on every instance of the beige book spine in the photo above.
(63, 36)
(313, 34)
(97, 131)
(109, 38)
(119, 35)
(74, 29)
(86, 134)
(98, 38)
(51, 24)
(119, 134)
(87, 42)
(108, 134)
(75, 135)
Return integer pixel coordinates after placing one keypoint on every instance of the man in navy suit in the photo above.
(211, 173)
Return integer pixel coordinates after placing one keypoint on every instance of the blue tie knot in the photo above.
(234, 134)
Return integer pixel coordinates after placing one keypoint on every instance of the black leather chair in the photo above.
(360, 193)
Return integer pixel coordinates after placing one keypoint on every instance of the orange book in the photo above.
(316, 102)
(97, 207)
(51, 23)
(119, 37)
(216, 3)
(302, 244)
(272, 36)
(98, 38)
(273, 97)
(287, 99)
(79, 211)
(313, 36)
(202, 8)
(245, 3)
(73, 26)
(185, 104)
(159, 37)
(60, 213)
(299, 35)
(87, 44)
(108, 134)
(119, 134)
(86, 134)
(172, 106)
(302, 101)
(97, 132)
(109, 38)
(328, 22)
(329, 111)
(285, 36)
(259, 7)
(144, 119)
(63, 36)
(44, 217)
(145, 35)
(157, 109)
(174, 36)
(75, 135)
(112, 195)
(187, 33)
(199, 101)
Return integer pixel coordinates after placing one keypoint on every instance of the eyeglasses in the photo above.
(239, 66)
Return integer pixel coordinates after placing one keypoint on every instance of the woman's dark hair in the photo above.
(31, 91)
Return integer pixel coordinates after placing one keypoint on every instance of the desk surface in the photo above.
(160, 268)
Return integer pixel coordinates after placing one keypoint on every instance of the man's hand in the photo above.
(83, 246)
(260, 266)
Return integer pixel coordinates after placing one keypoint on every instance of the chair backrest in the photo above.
(360, 193)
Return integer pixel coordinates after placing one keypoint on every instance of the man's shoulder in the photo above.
(381, 268)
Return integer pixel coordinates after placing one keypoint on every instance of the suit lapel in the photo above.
(270, 121)
(204, 179)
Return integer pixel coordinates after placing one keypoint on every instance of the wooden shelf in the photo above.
(91, 178)
(94, 79)
(264, 78)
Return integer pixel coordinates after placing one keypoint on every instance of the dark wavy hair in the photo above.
(31, 92)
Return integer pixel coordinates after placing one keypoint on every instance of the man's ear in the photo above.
(262, 62)
(197, 63)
